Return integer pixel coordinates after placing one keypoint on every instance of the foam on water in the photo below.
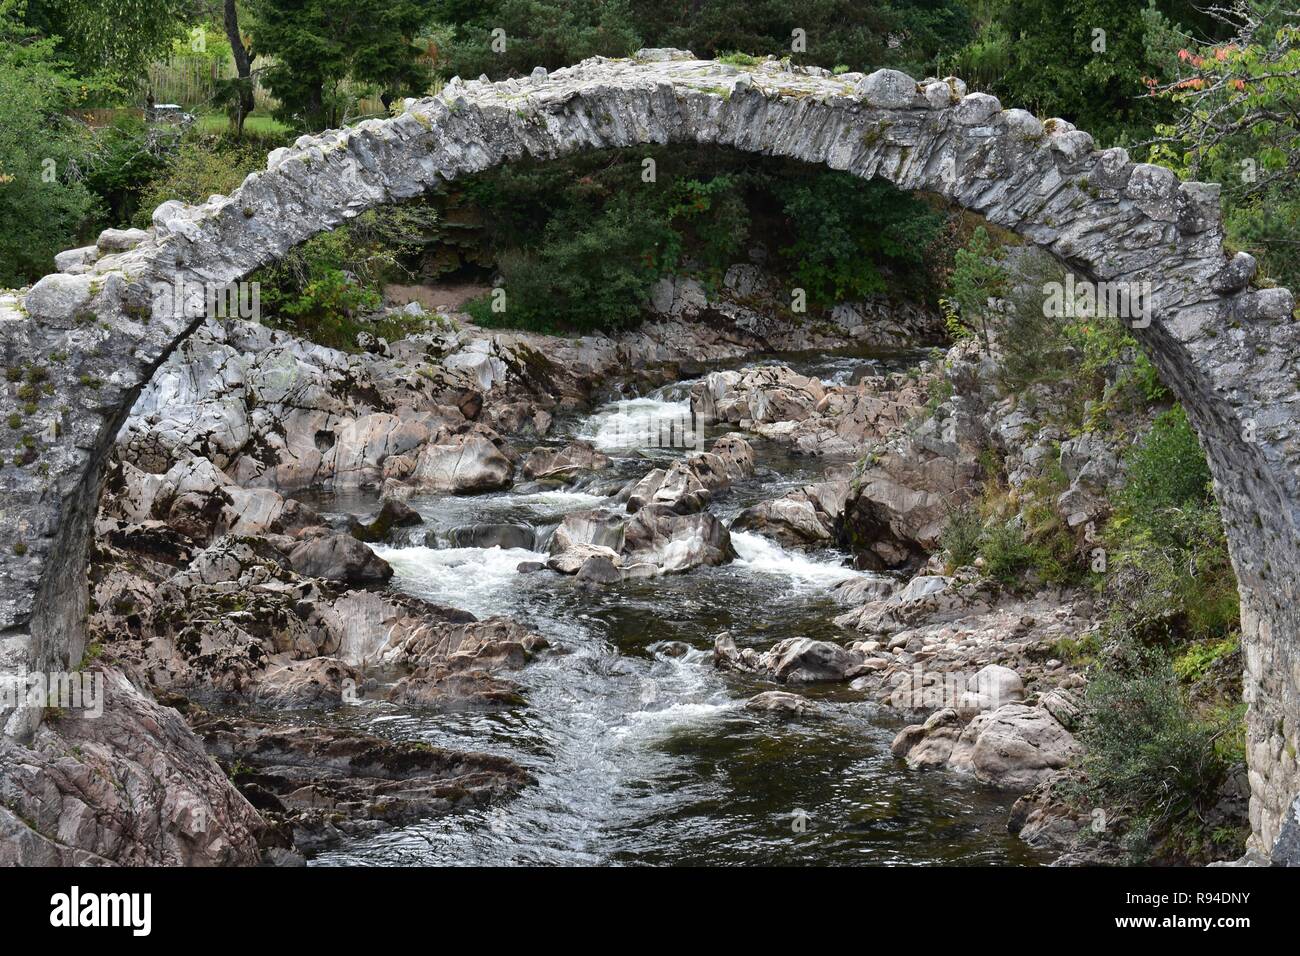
(677, 692)
(472, 579)
(764, 556)
(639, 423)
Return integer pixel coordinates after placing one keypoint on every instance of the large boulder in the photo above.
(802, 660)
(198, 499)
(369, 628)
(358, 449)
(287, 684)
(796, 660)
(392, 515)
(688, 483)
(572, 559)
(769, 393)
(324, 783)
(671, 542)
(801, 518)
(779, 703)
(461, 464)
(490, 536)
(453, 665)
(599, 527)
(906, 490)
(341, 558)
(564, 464)
(1015, 747)
(991, 687)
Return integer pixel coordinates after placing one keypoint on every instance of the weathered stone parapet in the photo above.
(85, 339)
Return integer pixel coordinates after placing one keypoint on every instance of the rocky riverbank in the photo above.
(212, 588)
(224, 584)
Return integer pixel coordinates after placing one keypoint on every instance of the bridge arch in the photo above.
(87, 338)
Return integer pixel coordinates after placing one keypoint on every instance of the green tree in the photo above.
(549, 33)
(196, 170)
(978, 279)
(318, 44)
(924, 31)
(835, 32)
(860, 34)
(42, 202)
(239, 92)
(1237, 124)
(111, 39)
(1086, 61)
(848, 236)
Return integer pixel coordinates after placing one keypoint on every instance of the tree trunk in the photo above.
(243, 66)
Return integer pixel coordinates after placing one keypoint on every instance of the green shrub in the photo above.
(1078, 651)
(1170, 591)
(1089, 361)
(1025, 541)
(978, 275)
(552, 228)
(1007, 555)
(1147, 750)
(43, 203)
(123, 159)
(1199, 658)
(594, 276)
(323, 289)
(201, 167)
(1166, 472)
(328, 308)
(1169, 553)
(848, 237)
(739, 59)
(962, 535)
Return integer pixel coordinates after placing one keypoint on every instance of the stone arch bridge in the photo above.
(80, 343)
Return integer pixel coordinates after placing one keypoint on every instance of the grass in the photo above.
(1078, 651)
(258, 123)
(739, 59)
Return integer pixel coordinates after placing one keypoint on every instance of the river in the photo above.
(642, 750)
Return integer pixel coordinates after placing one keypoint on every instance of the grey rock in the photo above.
(888, 89)
(567, 463)
(600, 569)
(131, 786)
(1286, 849)
(1015, 747)
(783, 704)
(1236, 275)
(392, 514)
(341, 558)
(326, 783)
(491, 536)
